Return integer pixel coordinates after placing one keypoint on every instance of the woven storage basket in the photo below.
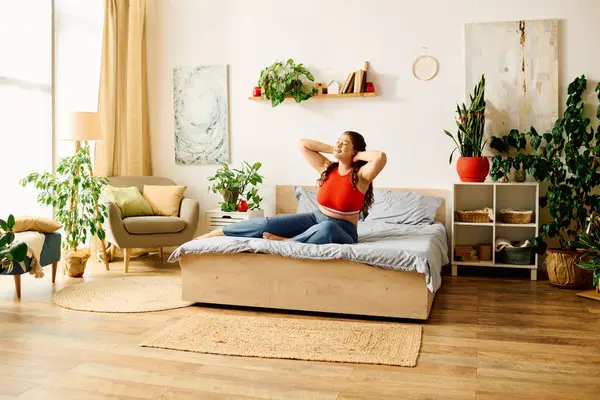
(474, 215)
(517, 255)
(510, 216)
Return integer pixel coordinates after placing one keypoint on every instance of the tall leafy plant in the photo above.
(74, 193)
(285, 79)
(471, 124)
(234, 182)
(567, 159)
(10, 251)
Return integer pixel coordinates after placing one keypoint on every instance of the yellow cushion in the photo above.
(164, 200)
(129, 200)
(38, 224)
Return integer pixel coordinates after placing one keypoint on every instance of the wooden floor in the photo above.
(488, 338)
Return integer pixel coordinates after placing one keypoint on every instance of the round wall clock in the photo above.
(425, 67)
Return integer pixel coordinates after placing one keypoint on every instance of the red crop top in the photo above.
(337, 194)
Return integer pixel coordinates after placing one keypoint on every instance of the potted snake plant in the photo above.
(471, 166)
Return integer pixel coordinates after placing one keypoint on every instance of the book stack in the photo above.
(356, 82)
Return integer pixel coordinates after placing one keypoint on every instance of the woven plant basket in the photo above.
(562, 270)
(474, 215)
(510, 216)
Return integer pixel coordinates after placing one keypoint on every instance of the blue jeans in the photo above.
(315, 228)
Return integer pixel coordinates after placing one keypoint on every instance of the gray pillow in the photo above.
(403, 207)
(307, 200)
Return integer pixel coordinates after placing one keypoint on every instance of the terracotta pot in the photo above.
(562, 270)
(472, 169)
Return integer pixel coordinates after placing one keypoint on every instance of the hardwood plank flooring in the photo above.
(488, 338)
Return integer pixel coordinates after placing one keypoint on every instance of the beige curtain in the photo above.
(123, 102)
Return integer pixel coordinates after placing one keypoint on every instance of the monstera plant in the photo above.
(285, 79)
(567, 159)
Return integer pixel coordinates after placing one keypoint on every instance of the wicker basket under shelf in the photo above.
(517, 255)
(515, 216)
(483, 215)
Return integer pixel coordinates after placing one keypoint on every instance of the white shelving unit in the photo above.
(494, 195)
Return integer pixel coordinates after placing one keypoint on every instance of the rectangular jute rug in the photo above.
(293, 338)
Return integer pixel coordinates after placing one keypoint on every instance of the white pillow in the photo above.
(307, 200)
(403, 207)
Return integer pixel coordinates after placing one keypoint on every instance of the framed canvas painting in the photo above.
(201, 114)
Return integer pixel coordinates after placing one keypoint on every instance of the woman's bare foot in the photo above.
(271, 236)
(216, 232)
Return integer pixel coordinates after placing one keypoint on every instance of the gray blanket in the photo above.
(421, 248)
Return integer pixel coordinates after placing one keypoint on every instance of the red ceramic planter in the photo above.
(472, 169)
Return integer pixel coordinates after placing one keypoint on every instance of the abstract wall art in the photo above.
(520, 63)
(201, 113)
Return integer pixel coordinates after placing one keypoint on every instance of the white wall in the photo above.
(333, 38)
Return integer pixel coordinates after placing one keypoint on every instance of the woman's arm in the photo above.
(311, 150)
(376, 160)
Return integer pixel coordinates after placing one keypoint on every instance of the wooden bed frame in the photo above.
(332, 286)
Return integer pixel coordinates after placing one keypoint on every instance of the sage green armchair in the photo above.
(148, 232)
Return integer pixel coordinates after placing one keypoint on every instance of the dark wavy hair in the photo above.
(359, 144)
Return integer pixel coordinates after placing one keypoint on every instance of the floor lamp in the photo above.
(86, 127)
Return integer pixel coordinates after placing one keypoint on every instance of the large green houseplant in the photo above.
(471, 166)
(232, 183)
(74, 193)
(285, 79)
(567, 160)
(10, 251)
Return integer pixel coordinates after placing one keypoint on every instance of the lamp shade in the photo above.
(85, 126)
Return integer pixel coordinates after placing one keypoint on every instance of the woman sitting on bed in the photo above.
(345, 190)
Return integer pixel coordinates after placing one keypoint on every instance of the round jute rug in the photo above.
(124, 295)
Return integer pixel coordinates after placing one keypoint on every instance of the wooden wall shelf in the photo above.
(371, 94)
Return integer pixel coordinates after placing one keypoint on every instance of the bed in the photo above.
(400, 281)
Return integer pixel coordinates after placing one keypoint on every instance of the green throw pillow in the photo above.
(129, 200)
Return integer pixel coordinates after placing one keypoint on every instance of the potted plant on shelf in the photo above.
(74, 193)
(285, 79)
(471, 165)
(567, 160)
(10, 252)
(233, 183)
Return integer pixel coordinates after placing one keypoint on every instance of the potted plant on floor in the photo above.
(233, 183)
(589, 242)
(10, 252)
(567, 159)
(285, 79)
(74, 193)
(471, 166)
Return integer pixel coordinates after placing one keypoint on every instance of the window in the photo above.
(26, 137)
